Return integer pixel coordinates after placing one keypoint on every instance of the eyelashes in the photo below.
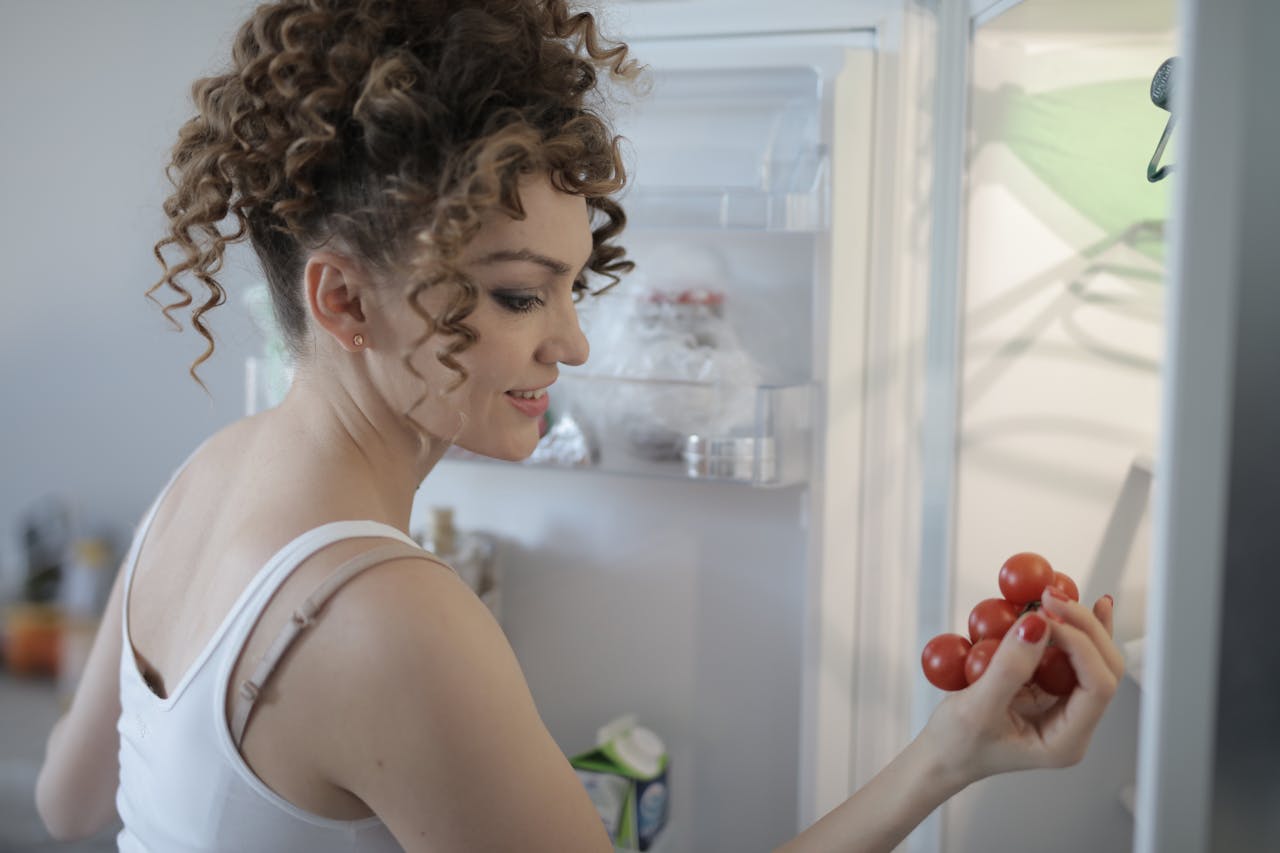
(524, 302)
(517, 303)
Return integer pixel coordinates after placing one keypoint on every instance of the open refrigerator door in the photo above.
(1053, 381)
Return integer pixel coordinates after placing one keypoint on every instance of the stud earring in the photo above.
(358, 340)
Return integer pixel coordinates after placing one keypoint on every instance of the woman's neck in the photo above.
(375, 453)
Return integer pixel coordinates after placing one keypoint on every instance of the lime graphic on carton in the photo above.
(626, 778)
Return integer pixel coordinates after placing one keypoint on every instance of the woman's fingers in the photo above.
(1032, 702)
(1015, 726)
(1013, 665)
(1089, 659)
(1092, 624)
(1104, 608)
(1067, 732)
(1012, 726)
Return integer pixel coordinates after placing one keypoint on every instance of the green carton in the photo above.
(626, 778)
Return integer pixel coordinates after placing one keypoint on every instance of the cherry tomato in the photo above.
(1067, 585)
(1024, 576)
(1054, 674)
(992, 618)
(979, 656)
(943, 661)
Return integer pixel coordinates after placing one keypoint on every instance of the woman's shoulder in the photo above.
(434, 726)
(215, 460)
(226, 439)
(405, 637)
(401, 605)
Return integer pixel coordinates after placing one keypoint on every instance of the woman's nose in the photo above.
(566, 344)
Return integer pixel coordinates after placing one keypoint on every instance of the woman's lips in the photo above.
(534, 408)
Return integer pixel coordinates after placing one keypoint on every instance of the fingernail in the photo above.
(1054, 617)
(1032, 629)
(1111, 601)
(1054, 592)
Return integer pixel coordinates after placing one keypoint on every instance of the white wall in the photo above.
(97, 404)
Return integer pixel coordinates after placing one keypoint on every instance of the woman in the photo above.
(420, 181)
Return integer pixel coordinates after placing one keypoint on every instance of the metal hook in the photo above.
(1156, 172)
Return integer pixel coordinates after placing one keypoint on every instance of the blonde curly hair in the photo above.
(390, 127)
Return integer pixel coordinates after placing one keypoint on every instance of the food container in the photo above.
(627, 778)
(731, 457)
(32, 639)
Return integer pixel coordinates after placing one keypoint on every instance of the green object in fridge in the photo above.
(1089, 145)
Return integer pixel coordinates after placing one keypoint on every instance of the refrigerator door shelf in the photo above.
(727, 148)
(643, 20)
(753, 435)
(731, 208)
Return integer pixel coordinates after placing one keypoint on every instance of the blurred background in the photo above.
(97, 406)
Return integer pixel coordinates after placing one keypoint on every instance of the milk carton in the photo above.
(626, 778)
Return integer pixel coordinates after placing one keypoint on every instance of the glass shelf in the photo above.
(758, 436)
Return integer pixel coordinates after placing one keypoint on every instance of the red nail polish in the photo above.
(1032, 629)
(1056, 593)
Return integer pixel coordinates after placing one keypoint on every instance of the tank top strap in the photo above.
(274, 575)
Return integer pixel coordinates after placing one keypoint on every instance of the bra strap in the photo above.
(303, 617)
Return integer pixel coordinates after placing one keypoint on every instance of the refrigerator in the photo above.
(926, 279)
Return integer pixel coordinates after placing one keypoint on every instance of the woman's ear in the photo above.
(336, 291)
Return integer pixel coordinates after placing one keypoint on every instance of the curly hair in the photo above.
(390, 127)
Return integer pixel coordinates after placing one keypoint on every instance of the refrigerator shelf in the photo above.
(728, 149)
(729, 208)
(752, 435)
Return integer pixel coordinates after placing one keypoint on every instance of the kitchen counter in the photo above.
(28, 709)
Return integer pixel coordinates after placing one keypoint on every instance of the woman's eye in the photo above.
(519, 303)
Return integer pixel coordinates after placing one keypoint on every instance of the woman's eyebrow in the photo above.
(557, 267)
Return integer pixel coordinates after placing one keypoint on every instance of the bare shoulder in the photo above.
(435, 728)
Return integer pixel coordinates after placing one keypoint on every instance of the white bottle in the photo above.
(470, 554)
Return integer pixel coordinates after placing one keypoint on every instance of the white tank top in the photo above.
(183, 784)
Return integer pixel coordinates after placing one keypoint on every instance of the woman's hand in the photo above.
(1000, 724)
(996, 725)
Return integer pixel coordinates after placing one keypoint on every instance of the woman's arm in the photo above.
(994, 726)
(430, 722)
(886, 809)
(76, 789)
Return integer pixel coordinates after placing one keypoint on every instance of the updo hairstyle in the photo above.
(389, 127)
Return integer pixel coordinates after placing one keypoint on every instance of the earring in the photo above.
(358, 340)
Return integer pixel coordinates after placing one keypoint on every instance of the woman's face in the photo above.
(526, 320)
